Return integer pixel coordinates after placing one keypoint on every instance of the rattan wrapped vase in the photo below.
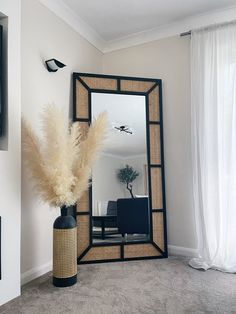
(64, 250)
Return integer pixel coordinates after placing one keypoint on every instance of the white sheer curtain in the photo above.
(213, 110)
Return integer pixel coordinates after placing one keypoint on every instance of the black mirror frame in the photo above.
(88, 252)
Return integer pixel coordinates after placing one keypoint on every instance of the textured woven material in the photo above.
(83, 204)
(64, 253)
(140, 250)
(100, 83)
(101, 253)
(156, 188)
(82, 233)
(154, 112)
(155, 144)
(81, 101)
(158, 229)
(135, 86)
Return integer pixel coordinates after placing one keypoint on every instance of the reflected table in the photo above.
(104, 222)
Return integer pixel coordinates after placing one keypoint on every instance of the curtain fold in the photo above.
(213, 126)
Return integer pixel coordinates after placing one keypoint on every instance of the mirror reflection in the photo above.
(120, 205)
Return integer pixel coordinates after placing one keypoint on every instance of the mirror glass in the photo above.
(120, 204)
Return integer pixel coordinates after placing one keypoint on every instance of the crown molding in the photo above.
(59, 8)
(173, 29)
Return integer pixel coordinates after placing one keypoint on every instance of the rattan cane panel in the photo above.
(154, 109)
(102, 253)
(64, 253)
(155, 144)
(81, 101)
(135, 86)
(140, 250)
(100, 83)
(83, 203)
(83, 233)
(158, 229)
(156, 180)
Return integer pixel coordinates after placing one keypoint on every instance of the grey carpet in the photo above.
(150, 286)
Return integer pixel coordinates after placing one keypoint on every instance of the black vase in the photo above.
(64, 249)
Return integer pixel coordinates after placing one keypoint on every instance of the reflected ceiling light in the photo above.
(123, 128)
(53, 65)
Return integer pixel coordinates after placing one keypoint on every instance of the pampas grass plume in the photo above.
(61, 164)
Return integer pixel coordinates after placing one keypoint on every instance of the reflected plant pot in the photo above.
(64, 250)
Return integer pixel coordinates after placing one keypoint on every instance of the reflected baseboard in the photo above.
(117, 238)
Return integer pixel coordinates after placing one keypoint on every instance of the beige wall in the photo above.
(168, 59)
(106, 187)
(138, 163)
(45, 36)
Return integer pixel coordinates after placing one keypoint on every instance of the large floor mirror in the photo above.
(120, 209)
(123, 216)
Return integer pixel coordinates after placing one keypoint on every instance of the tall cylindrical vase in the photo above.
(64, 250)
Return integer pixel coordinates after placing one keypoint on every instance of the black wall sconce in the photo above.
(53, 65)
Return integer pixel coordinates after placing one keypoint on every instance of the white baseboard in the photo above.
(182, 251)
(43, 269)
(35, 272)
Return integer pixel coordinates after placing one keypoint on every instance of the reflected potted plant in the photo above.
(127, 175)
(61, 167)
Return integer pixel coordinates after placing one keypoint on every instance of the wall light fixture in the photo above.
(53, 65)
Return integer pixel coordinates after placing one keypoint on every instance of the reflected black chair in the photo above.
(133, 215)
(112, 211)
(103, 222)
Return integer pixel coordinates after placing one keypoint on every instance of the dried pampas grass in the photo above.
(61, 166)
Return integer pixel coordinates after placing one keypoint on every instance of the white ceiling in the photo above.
(115, 24)
(115, 19)
(122, 110)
